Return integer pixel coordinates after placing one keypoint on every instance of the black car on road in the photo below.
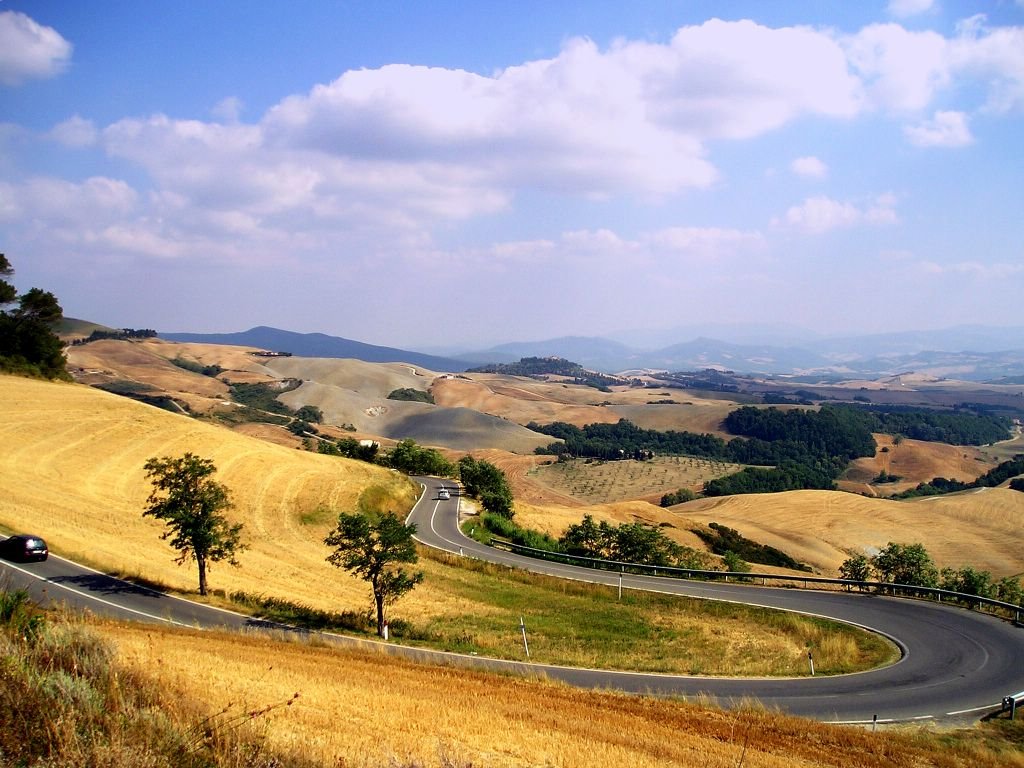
(23, 548)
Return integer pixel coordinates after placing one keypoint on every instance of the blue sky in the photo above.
(440, 174)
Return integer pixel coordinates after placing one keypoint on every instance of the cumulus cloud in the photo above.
(820, 214)
(996, 57)
(29, 50)
(809, 167)
(904, 70)
(905, 8)
(76, 131)
(945, 129)
(392, 154)
(901, 69)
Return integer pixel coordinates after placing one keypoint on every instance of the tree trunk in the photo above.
(379, 599)
(202, 575)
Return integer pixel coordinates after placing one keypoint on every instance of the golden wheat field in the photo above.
(72, 470)
(982, 528)
(360, 708)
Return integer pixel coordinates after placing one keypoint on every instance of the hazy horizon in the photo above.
(445, 176)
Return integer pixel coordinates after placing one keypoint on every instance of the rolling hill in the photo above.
(318, 345)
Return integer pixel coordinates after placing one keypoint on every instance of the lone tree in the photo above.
(191, 504)
(371, 547)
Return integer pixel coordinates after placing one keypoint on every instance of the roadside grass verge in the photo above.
(67, 701)
(361, 708)
(587, 625)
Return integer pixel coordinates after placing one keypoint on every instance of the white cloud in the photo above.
(76, 131)
(58, 202)
(820, 214)
(901, 70)
(972, 269)
(945, 129)
(228, 110)
(996, 57)
(29, 50)
(906, 8)
(809, 167)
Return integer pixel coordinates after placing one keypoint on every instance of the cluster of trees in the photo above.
(415, 459)
(212, 371)
(411, 395)
(551, 366)
(486, 482)
(961, 426)
(805, 449)
(120, 334)
(995, 476)
(911, 564)
(348, 447)
(28, 342)
(680, 496)
(629, 543)
(624, 439)
(723, 540)
(480, 479)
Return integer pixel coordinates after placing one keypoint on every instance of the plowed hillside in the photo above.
(147, 362)
(523, 400)
(71, 470)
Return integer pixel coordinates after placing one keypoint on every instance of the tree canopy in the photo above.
(373, 547)
(28, 343)
(191, 504)
(488, 483)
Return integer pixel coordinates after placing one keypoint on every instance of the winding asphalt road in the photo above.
(956, 664)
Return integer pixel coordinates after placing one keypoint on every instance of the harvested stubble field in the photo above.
(359, 708)
(598, 482)
(72, 471)
(914, 461)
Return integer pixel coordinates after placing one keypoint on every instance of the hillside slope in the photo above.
(71, 470)
(982, 528)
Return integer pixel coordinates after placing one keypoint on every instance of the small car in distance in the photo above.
(24, 548)
(444, 494)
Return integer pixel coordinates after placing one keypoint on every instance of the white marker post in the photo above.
(522, 626)
(810, 658)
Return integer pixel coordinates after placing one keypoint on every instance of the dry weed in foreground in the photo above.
(364, 709)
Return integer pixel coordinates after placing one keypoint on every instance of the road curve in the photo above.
(956, 664)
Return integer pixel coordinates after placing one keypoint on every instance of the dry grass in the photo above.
(915, 462)
(983, 528)
(358, 708)
(73, 472)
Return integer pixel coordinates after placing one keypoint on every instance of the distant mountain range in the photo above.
(973, 353)
(320, 345)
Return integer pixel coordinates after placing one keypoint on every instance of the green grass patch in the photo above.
(577, 624)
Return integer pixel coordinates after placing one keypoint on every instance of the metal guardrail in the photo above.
(899, 590)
